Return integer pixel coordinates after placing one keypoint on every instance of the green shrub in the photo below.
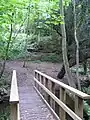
(50, 58)
(86, 111)
(5, 113)
(46, 57)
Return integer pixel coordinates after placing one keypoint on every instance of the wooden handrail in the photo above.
(14, 98)
(71, 113)
(71, 89)
(47, 83)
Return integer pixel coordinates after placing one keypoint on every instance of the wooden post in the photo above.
(14, 98)
(44, 94)
(46, 85)
(42, 81)
(39, 81)
(79, 106)
(62, 113)
(35, 77)
(52, 89)
(14, 111)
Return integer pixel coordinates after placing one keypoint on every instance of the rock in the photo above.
(1, 99)
(6, 98)
(1, 91)
(5, 91)
(4, 95)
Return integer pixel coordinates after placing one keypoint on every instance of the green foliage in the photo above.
(54, 58)
(44, 17)
(86, 110)
(44, 57)
(5, 112)
(66, 2)
(10, 14)
(39, 11)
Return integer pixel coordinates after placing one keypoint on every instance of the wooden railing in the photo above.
(45, 83)
(14, 98)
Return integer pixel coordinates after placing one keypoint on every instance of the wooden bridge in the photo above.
(36, 108)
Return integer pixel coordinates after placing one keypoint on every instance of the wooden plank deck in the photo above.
(31, 106)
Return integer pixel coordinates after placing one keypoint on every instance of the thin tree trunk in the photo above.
(6, 52)
(27, 32)
(64, 49)
(77, 46)
(25, 58)
(39, 36)
(85, 67)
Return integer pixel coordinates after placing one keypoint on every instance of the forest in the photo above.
(52, 31)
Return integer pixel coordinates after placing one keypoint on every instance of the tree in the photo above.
(64, 49)
(27, 33)
(7, 49)
(83, 34)
(77, 45)
(10, 16)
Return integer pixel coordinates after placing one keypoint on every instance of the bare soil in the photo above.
(50, 69)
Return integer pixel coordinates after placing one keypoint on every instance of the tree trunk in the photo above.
(25, 48)
(64, 49)
(85, 67)
(27, 32)
(77, 45)
(6, 53)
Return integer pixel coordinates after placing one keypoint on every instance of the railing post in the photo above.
(41, 81)
(38, 80)
(14, 111)
(35, 77)
(46, 85)
(14, 99)
(79, 106)
(62, 113)
(52, 89)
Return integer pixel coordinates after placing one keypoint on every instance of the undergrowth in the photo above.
(4, 112)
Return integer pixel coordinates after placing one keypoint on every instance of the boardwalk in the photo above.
(31, 106)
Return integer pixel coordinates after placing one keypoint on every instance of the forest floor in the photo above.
(50, 69)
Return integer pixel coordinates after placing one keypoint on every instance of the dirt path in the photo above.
(31, 106)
